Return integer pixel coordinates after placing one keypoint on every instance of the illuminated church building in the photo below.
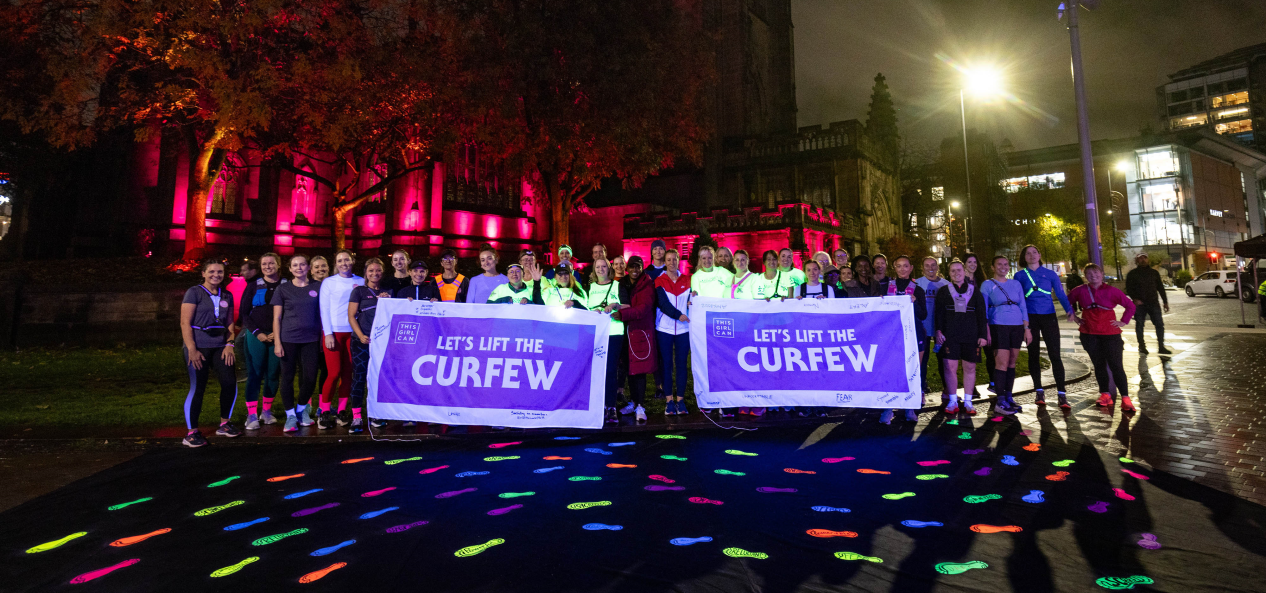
(764, 183)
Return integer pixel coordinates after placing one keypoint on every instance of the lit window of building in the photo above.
(1158, 162)
(938, 194)
(1044, 181)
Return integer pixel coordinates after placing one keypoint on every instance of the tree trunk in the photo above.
(560, 214)
(206, 169)
(340, 220)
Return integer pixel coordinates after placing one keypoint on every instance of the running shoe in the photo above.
(668, 408)
(325, 421)
(357, 426)
(727, 412)
(1126, 404)
(639, 414)
(377, 422)
(705, 411)
(1105, 400)
(266, 416)
(912, 416)
(822, 413)
(409, 424)
(757, 412)
(952, 409)
(1014, 406)
(194, 440)
(292, 424)
(885, 417)
(1063, 402)
(626, 410)
(344, 417)
(992, 389)
(1040, 399)
(968, 408)
(804, 413)
(228, 430)
(252, 422)
(1164, 350)
(1002, 406)
(305, 418)
(612, 416)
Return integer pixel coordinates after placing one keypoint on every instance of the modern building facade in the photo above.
(1191, 193)
(1226, 94)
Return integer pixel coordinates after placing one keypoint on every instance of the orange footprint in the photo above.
(284, 478)
(873, 471)
(619, 465)
(556, 458)
(996, 528)
(358, 460)
(316, 575)
(1058, 476)
(136, 539)
(1032, 447)
(829, 533)
(792, 470)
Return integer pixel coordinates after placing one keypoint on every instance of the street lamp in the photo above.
(1083, 127)
(981, 82)
(1118, 200)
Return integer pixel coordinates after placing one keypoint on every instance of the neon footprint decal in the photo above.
(898, 496)
(556, 458)
(57, 543)
(332, 549)
(1032, 447)
(430, 470)
(272, 539)
(792, 470)
(930, 476)
(1034, 496)
(395, 461)
(238, 526)
(596, 450)
(726, 472)
(921, 524)
(673, 457)
(621, 444)
(836, 459)
(1149, 542)
(856, 556)
(1063, 463)
(214, 510)
(973, 451)
(686, 541)
(284, 478)
(128, 504)
(1119, 583)
(1098, 507)
(578, 506)
(770, 489)
(301, 494)
(372, 514)
(1009, 460)
(669, 436)
(601, 526)
(741, 553)
(373, 493)
(222, 482)
(966, 435)
(100, 572)
(1058, 476)
(472, 550)
(874, 471)
(829, 533)
(932, 463)
(660, 478)
(702, 500)
(506, 458)
(620, 465)
(984, 471)
(959, 567)
(317, 575)
(504, 510)
(567, 438)
(982, 528)
(136, 539)
(584, 479)
(405, 527)
(657, 488)
(515, 494)
(546, 470)
(1125, 460)
(1136, 476)
(358, 460)
(826, 509)
(228, 570)
(1122, 494)
(979, 498)
(501, 445)
(453, 493)
(306, 512)
(737, 452)
(469, 474)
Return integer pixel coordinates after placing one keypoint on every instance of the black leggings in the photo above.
(615, 345)
(1045, 328)
(307, 355)
(211, 361)
(637, 389)
(360, 372)
(1105, 353)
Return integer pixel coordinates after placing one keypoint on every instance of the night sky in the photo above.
(1129, 46)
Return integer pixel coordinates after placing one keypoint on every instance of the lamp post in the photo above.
(962, 108)
(981, 82)
(1118, 200)
(1083, 129)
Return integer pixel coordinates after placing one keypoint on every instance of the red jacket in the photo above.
(639, 326)
(1098, 308)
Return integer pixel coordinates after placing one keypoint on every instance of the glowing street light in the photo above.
(1123, 166)
(954, 204)
(981, 82)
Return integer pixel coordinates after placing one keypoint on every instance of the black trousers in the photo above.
(360, 372)
(1045, 328)
(1141, 313)
(300, 354)
(211, 363)
(615, 345)
(1105, 352)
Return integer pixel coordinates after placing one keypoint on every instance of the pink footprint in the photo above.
(1122, 494)
(500, 445)
(433, 469)
(100, 572)
(662, 488)
(663, 479)
(1135, 475)
(377, 492)
(504, 510)
(984, 471)
(996, 419)
(836, 459)
(973, 451)
(768, 489)
(931, 463)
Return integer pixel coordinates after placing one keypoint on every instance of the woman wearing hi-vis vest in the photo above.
(1039, 284)
(448, 280)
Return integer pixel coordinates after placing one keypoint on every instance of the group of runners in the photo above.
(313, 321)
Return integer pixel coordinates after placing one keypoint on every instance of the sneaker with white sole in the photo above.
(266, 416)
(377, 422)
(357, 426)
(639, 414)
(885, 417)
(252, 422)
(305, 419)
(194, 440)
(626, 410)
(292, 423)
(228, 430)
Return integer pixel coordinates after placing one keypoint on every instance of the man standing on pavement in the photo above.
(1142, 285)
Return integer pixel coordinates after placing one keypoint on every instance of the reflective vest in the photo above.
(448, 292)
(1033, 285)
(1261, 290)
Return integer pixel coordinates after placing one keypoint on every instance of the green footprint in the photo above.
(214, 510)
(726, 472)
(395, 461)
(584, 478)
(228, 570)
(856, 556)
(898, 496)
(128, 504)
(472, 550)
(1118, 583)
(498, 458)
(1125, 460)
(222, 482)
(959, 567)
(672, 457)
(953, 422)
(272, 539)
(965, 435)
(930, 476)
(515, 494)
(57, 543)
(576, 506)
(741, 553)
(1063, 463)
(669, 436)
(737, 452)
(975, 498)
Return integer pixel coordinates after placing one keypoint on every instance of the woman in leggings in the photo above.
(1008, 329)
(297, 323)
(361, 306)
(206, 324)
(1101, 332)
(609, 297)
(1039, 285)
(336, 292)
(672, 331)
(961, 327)
(262, 366)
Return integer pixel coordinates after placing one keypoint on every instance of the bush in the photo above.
(1181, 278)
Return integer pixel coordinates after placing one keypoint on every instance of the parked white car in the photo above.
(1219, 284)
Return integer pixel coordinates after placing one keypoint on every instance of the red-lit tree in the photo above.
(571, 92)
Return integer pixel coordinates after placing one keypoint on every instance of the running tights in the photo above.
(1105, 352)
(301, 354)
(360, 374)
(262, 369)
(672, 354)
(211, 362)
(615, 345)
(1045, 328)
(339, 363)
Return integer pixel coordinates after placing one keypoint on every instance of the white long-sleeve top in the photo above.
(335, 292)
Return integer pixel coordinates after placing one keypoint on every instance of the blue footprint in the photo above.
(332, 549)
(467, 474)
(685, 541)
(372, 514)
(567, 438)
(621, 444)
(595, 450)
(245, 525)
(546, 470)
(302, 494)
(597, 526)
(1009, 460)
(912, 523)
(829, 509)
(1034, 496)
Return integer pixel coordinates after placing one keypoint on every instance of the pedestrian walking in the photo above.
(1143, 285)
